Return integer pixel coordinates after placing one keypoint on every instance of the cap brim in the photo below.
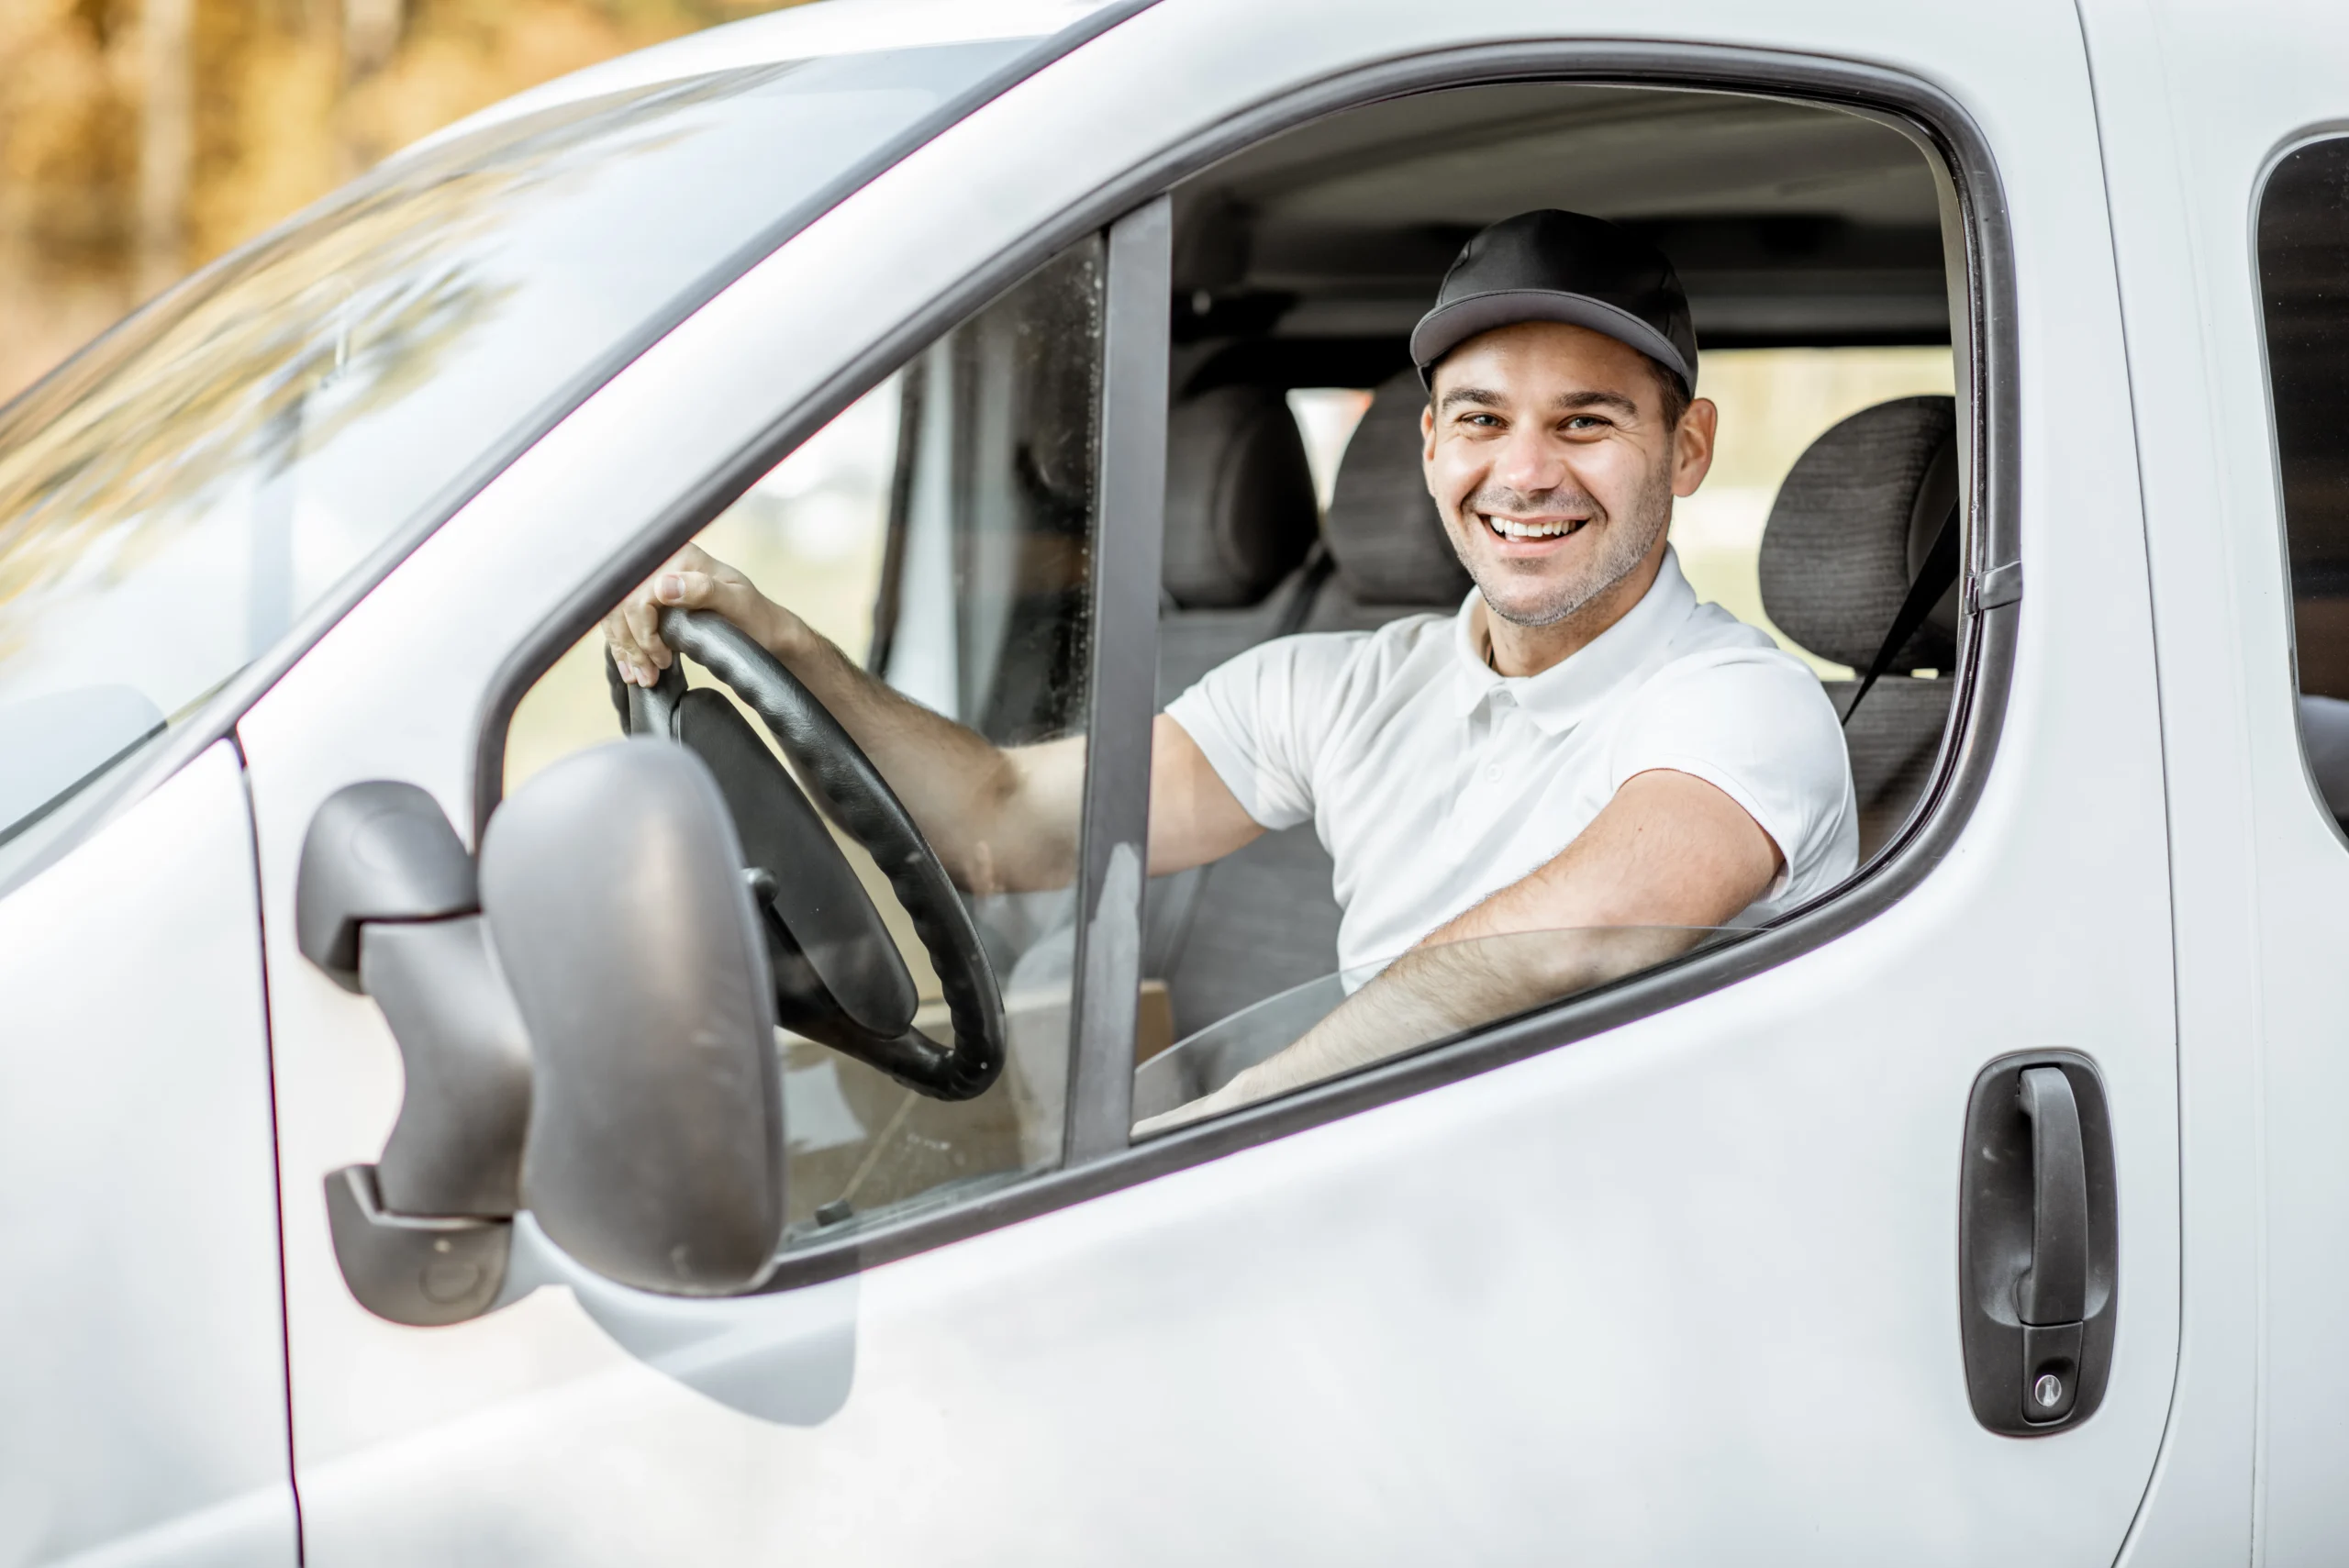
(1447, 327)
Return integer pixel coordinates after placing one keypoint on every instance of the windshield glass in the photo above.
(177, 498)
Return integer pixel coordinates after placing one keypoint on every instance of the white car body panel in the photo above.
(1684, 1293)
(801, 32)
(142, 1400)
(2199, 100)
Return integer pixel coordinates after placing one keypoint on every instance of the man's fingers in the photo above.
(643, 620)
(691, 590)
(621, 646)
(633, 630)
(630, 631)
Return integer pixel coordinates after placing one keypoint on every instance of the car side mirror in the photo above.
(614, 890)
(592, 1039)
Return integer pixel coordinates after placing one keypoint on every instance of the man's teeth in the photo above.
(1510, 527)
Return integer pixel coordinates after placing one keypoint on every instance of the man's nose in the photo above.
(1529, 462)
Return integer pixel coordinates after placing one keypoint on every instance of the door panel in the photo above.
(2197, 100)
(142, 1396)
(1685, 1292)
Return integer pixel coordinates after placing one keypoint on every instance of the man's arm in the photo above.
(1670, 851)
(1002, 818)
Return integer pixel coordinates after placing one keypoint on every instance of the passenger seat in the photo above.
(1846, 537)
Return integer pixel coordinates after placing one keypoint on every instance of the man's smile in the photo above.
(1535, 530)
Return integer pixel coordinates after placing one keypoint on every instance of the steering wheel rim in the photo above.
(854, 794)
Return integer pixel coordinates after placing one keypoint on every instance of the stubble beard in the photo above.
(1624, 544)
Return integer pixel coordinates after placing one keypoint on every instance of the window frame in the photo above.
(1098, 1157)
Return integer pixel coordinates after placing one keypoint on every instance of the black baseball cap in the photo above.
(1561, 266)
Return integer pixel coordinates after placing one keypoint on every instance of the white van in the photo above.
(400, 1161)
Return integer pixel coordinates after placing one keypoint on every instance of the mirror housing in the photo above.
(613, 888)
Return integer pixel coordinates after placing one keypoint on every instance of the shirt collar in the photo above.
(1566, 693)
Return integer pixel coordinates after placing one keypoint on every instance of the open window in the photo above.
(1811, 243)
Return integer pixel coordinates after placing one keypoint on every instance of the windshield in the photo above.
(176, 498)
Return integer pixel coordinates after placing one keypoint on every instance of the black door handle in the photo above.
(2055, 1290)
(2038, 1260)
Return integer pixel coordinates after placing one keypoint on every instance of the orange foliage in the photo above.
(291, 98)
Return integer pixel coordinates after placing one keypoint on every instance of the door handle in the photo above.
(2038, 1261)
(2055, 1290)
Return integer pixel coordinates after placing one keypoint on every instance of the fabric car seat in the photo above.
(1850, 528)
(1241, 521)
(1264, 920)
(1385, 542)
(1241, 527)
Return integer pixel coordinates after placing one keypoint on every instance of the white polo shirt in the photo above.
(1434, 781)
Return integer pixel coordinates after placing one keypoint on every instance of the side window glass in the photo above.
(937, 534)
(2303, 260)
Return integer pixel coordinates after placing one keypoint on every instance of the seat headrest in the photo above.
(1385, 538)
(1850, 526)
(1240, 511)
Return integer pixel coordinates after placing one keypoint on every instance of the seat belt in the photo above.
(1319, 564)
(1934, 580)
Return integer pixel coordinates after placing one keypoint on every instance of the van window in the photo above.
(955, 499)
(939, 534)
(1809, 245)
(2303, 262)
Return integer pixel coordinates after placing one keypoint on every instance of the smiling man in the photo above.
(1553, 787)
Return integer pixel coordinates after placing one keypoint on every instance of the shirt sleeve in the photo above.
(1755, 724)
(1262, 718)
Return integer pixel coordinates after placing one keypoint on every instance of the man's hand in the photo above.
(694, 579)
(1669, 855)
(1002, 820)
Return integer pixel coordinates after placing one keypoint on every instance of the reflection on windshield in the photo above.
(1348, 1021)
(173, 500)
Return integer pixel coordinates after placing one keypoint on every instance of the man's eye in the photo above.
(1586, 422)
(1485, 421)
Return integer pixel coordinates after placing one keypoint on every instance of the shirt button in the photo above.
(1493, 772)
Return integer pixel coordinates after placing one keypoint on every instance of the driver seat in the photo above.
(1265, 920)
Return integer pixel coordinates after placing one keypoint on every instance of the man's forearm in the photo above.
(1424, 995)
(1000, 821)
(1433, 993)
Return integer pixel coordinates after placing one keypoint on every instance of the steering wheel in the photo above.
(838, 976)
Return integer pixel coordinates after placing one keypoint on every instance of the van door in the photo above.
(1683, 1288)
(2228, 168)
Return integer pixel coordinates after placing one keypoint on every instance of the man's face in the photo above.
(1552, 466)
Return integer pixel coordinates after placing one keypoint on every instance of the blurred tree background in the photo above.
(140, 139)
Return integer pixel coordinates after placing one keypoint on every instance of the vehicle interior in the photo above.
(1811, 243)
(1304, 262)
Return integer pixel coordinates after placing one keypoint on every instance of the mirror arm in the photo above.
(385, 904)
(375, 851)
(457, 1146)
